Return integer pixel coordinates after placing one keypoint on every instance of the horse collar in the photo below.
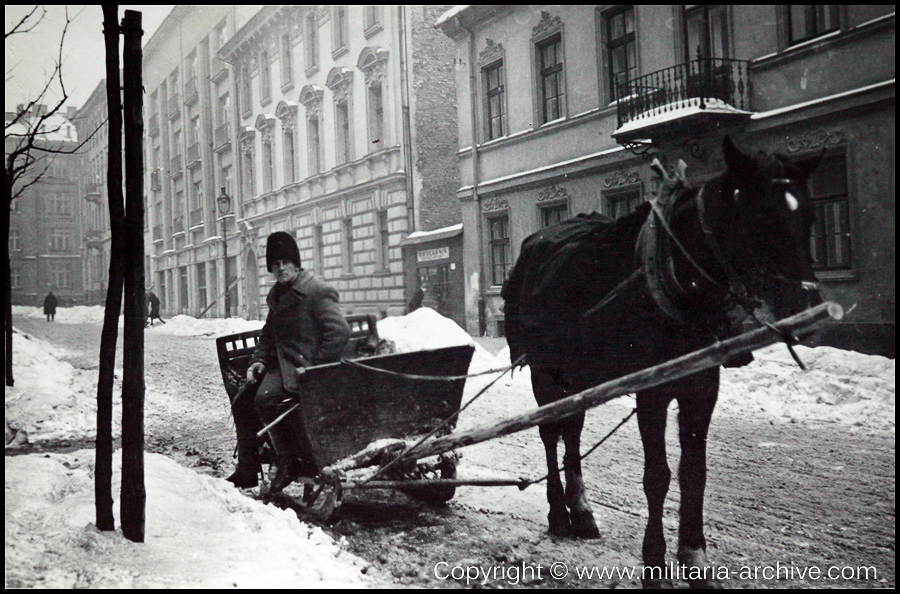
(654, 252)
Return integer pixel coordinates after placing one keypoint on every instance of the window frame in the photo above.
(542, 73)
(850, 269)
(498, 91)
(835, 9)
(502, 242)
(610, 45)
(631, 193)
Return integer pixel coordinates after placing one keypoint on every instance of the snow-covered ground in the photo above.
(203, 533)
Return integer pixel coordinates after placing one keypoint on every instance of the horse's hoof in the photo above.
(654, 584)
(696, 569)
(583, 525)
(560, 525)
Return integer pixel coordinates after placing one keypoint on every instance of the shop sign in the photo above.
(433, 254)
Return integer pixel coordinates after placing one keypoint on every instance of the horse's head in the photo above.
(773, 216)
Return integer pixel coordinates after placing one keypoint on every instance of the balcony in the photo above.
(193, 155)
(190, 92)
(153, 125)
(222, 137)
(93, 193)
(155, 179)
(174, 106)
(700, 92)
(196, 217)
(175, 166)
(218, 69)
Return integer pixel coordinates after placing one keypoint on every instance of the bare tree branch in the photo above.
(22, 27)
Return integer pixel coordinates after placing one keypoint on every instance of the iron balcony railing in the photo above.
(701, 83)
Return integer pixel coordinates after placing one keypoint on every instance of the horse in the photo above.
(592, 299)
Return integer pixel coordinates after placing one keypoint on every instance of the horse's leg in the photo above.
(694, 413)
(652, 410)
(547, 389)
(583, 524)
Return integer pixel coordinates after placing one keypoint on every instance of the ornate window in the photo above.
(498, 229)
(371, 62)
(248, 156)
(493, 77)
(549, 69)
(706, 32)
(622, 202)
(266, 126)
(832, 237)
(340, 81)
(311, 99)
(287, 113)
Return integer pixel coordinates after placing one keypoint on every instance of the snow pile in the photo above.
(838, 386)
(51, 399)
(200, 532)
(78, 314)
(183, 325)
(426, 329)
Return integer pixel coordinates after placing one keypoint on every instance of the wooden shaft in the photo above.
(711, 356)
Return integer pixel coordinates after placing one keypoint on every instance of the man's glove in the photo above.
(256, 371)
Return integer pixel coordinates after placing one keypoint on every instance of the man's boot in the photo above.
(288, 467)
(246, 424)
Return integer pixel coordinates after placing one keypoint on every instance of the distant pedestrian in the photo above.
(153, 300)
(50, 306)
(416, 300)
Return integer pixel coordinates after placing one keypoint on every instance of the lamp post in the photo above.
(224, 202)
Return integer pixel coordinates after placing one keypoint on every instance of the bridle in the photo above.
(654, 251)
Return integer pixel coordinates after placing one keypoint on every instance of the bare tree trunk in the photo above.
(103, 464)
(134, 495)
(8, 327)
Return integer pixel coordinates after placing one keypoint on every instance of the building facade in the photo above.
(189, 157)
(345, 138)
(45, 231)
(91, 122)
(560, 107)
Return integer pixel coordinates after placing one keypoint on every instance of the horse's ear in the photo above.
(735, 159)
(807, 166)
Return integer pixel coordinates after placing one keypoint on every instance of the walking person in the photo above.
(50, 306)
(153, 300)
(304, 327)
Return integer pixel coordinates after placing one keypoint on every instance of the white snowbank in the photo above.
(200, 532)
(51, 399)
(78, 314)
(183, 325)
(838, 386)
(426, 329)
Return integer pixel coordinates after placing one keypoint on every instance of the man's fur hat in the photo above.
(281, 246)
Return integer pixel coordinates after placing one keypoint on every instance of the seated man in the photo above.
(304, 327)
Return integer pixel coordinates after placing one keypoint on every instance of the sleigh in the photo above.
(396, 412)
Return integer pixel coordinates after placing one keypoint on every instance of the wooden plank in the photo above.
(798, 325)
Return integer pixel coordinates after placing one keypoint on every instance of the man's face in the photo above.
(285, 271)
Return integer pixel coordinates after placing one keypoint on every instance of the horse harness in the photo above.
(655, 249)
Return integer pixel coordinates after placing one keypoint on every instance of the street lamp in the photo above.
(224, 202)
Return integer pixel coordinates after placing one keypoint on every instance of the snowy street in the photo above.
(801, 475)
